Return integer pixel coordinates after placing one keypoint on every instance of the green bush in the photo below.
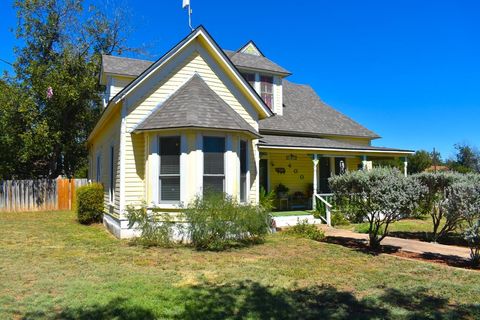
(306, 230)
(90, 203)
(217, 222)
(156, 228)
(339, 219)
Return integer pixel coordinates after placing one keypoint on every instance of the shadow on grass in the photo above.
(449, 239)
(360, 245)
(252, 300)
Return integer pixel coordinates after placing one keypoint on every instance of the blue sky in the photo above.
(407, 69)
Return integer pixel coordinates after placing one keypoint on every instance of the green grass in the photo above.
(405, 225)
(290, 213)
(52, 267)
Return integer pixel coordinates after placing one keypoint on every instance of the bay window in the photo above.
(243, 170)
(169, 177)
(213, 164)
(266, 90)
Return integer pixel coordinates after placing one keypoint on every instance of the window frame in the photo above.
(98, 168)
(247, 170)
(111, 191)
(271, 93)
(224, 175)
(160, 175)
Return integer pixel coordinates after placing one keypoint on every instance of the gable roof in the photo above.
(199, 31)
(195, 105)
(305, 113)
(124, 66)
(252, 48)
(246, 60)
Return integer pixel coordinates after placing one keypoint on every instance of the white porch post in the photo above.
(315, 164)
(364, 163)
(405, 166)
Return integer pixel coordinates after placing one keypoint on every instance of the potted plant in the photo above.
(281, 190)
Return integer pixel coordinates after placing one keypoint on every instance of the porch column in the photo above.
(315, 165)
(364, 163)
(405, 166)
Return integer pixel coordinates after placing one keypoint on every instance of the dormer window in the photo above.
(266, 90)
(250, 77)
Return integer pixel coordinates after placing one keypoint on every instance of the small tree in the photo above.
(464, 203)
(435, 196)
(381, 196)
(419, 161)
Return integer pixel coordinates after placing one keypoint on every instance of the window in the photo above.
(99, 164)
(213, 164)
(243, 170)
(266, 90)
(169, 179)
(250, 77)
(112, 184)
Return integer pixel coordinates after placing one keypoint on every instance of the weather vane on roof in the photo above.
(186, 3)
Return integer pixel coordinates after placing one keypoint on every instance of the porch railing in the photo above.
(324, 207)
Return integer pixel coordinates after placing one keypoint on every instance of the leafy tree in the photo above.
(466, 160)
(464, 201)
(419, 161)
(53, 101)
(436, 186)
(380, 196)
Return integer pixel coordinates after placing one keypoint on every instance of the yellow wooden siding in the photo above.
(109, 136)
(158, 90)
(116, 84)
(303, 166)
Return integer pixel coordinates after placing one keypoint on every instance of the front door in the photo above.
(324, 174)
(264, 174)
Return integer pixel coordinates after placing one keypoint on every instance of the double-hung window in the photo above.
(213, 164)
(98, 167)
(169, 177)
(266, 90)
(250, 77)
(112, 182)
(243, 170)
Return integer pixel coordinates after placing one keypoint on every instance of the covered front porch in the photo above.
(299, 175)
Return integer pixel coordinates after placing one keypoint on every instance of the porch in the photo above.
(299, 175)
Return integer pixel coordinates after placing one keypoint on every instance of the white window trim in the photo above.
(247, 177)
(175, 203)
(225, 161)
(111, 181)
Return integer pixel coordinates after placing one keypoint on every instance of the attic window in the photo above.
(250, 77)
(266, 90)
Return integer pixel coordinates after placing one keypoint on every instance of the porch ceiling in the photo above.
(322, 144)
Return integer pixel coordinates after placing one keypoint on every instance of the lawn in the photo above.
(423, 224)
(290, 213)
(52, 267)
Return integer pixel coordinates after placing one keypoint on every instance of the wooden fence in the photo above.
(38, 195)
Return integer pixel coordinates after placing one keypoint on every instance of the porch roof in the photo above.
(309, 143)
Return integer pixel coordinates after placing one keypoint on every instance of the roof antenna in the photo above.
(186, 3)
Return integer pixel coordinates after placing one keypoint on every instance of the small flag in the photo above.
(49, 93)
(185, 3)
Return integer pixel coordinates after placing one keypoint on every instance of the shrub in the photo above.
(436, 185)
(267, 199)
(217, 222)
(306, 230)
(90, 203)
(156, 228)
(338, 219)
(379, 196)
(464, 205)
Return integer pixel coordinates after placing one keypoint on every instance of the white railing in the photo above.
(328, 207)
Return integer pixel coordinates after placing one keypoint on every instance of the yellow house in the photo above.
(202, 118)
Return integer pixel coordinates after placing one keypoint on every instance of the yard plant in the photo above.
(380, 196)
(89, 204)
(217, 222)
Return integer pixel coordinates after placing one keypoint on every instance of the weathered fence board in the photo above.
(40, 194)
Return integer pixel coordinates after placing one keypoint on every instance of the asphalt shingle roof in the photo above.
(309, 142)
(305, 113)
(195, 104)
(124, 66)
(246, 60)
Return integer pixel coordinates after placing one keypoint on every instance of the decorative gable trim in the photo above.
(251, 48)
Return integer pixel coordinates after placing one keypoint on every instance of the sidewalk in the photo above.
(406, 245)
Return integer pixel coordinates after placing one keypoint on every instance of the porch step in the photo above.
(289, 221)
